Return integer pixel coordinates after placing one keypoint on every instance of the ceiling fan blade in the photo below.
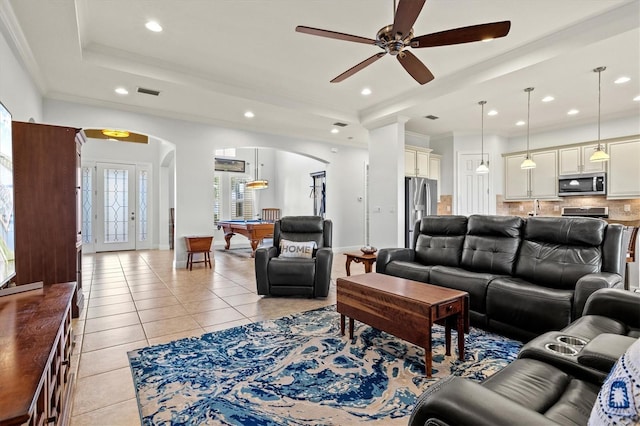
(463, 35)
(415, 67)
(334, 34)
(355, 69)
(406, 15)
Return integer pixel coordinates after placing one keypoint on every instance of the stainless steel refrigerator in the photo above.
(421, 199)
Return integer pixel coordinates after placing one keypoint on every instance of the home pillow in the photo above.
(619, 398)
(301, 249)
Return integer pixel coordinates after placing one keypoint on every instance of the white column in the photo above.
(386, 184)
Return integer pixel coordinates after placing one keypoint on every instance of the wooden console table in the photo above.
(198, 244)
(35, 356)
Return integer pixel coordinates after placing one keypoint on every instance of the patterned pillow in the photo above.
(302, 249)
(619, 398)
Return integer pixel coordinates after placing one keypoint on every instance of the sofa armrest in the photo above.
(262, 257)
(618, 304)
(324, 259)
(588, 284)
(390, 254)
(604, 350)
(457, 401)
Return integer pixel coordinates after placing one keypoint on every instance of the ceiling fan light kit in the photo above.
(396, 38)
(600, 154)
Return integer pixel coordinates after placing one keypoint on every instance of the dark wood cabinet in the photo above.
(46, 167)
(36, 377)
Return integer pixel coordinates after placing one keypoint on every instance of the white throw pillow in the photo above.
(619, 398)
(302, 249)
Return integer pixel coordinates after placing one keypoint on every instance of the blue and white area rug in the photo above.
(299, 370)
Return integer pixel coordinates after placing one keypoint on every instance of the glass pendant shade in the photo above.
(482, 168)
(257, 183)
(599, 155)
(528, 163)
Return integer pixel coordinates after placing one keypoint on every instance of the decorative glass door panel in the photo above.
(117, 207)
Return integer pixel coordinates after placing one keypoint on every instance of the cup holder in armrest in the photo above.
(562, 349)
(572, 341)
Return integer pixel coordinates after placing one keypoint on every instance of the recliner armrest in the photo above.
(604, 350)
(387, 255)
(621, 305)
(324, 259)
(587, 285)
(457, 401)
(262, 257)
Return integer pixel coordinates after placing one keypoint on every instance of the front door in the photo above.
(116, 205)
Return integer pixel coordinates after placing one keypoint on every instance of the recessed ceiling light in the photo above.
(621, 80)
(492, 112)
(122, 91)
(548, 99)
(365, 92)
(249, 114)
(637, 98)
(520, 123)
(153, 26)
(334, 131)
(572, 112)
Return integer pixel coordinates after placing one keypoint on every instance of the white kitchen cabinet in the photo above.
(540, 183)
(624, 169)
(434, 170)
(416, 161)
(575, 160)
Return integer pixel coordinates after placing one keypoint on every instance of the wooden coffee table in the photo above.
(407, 309)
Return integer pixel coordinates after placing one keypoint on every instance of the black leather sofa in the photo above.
(524, 277)
(540, 387)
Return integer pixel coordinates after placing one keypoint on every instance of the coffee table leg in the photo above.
(342, 324)
(461, 327)
(428, 356)
(351, 328)
(447, 336)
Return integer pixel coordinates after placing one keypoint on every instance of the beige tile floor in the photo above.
(136, 298)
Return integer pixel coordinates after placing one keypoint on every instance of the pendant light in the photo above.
(599, 154)
(528, 162)
(257, 183)
(482, 168)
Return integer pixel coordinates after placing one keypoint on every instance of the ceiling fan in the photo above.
(396, 38)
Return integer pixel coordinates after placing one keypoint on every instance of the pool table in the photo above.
(254, 230)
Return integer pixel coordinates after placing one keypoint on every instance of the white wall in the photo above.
(17, 91)
(294, 183)
(195, 145)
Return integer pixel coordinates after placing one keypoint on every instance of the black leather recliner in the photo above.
(286, 276)
(534, 389)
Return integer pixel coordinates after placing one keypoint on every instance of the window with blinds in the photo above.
(240, 198)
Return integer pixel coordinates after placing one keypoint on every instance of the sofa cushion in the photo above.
(492, 243)
(522, 305)
(474, 283)
(291, 271)
(440, 240)
(409, 270)
(578, 231)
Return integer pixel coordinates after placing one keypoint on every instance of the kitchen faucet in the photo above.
(536, 207)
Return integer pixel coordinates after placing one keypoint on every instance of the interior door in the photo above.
(473, 188)
(116, 205)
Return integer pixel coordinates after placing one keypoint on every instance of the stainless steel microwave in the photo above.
(584, 184)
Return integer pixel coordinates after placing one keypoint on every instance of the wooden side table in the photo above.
(359, 257)
(198, 244)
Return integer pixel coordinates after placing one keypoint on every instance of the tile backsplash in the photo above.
(554, 208)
